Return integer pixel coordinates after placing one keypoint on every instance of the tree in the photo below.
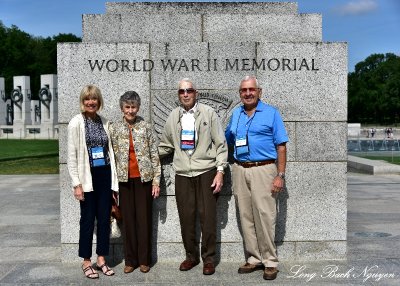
(23, 54)
(374, 90)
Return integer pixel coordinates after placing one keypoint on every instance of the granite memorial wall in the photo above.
(149, 47)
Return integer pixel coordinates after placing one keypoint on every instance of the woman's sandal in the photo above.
(90, 272)
(105, 269)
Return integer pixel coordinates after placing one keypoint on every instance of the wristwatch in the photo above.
(281, 175)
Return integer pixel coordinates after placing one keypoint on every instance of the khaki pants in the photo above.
(257, 209)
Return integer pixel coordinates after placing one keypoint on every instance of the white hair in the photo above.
(186, 80)
(250, 77)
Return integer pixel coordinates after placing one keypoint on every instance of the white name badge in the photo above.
(187, 135)
(187, 139)
(241, 141)
(98, 156)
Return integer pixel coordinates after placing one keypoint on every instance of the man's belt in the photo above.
(254, 164)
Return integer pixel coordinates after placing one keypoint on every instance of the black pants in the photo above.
(194, 194)
(96, 206)
(136, 204)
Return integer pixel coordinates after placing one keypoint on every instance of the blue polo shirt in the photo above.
(264, 130)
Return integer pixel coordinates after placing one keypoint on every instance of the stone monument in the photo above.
(48, 97)
(3, 102)
(20, 97)
(149, 47)
(29, 115)
(33, 128)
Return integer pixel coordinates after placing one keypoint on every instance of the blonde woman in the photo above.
(93, 175)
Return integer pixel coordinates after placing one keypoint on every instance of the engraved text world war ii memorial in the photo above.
(149, 47)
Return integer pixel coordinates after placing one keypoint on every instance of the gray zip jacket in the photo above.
(210, 150)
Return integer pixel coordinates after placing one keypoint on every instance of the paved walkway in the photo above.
(30, 242)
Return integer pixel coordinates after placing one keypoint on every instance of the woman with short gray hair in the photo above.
(131, 98)
(139, 171)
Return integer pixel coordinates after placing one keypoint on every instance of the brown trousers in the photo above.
(136, 206)
(194, 194)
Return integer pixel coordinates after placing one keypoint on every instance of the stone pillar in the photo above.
(22, 105)
(33, 129)
(3, 102)
(35, 114)
(213, 44)
(48, 96)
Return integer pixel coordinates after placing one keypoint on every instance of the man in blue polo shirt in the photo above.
(258, 134)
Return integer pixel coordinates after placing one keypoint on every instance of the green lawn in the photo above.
(389, 159)
(28, 156)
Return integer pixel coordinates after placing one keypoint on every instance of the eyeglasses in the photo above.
(186, 90)
(249, 89)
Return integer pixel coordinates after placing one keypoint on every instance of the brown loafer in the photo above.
(248, 268)
(187, 265)
(144, 268)
(128, 269)
(270, 273)
(208, 268)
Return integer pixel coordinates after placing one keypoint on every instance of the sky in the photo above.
(368, 26)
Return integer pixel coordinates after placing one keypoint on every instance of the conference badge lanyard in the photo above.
(187, 139)
(98, 157)
(97, 153)
(188, 134)
(242, 142)
(242, 146)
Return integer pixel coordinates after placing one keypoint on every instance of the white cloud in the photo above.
(357, 7)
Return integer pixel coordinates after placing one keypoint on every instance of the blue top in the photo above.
(264, 130)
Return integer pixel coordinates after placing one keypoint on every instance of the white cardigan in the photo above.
(78, 158)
